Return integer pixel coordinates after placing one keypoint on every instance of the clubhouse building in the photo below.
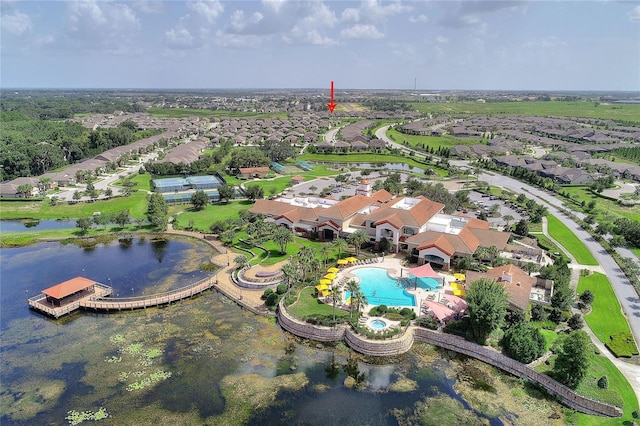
(414, 225)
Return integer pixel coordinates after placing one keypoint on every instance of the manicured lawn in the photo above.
(604, 207)
(202, 219)
(606, 317)
(562, 234)
(307, 305)
(369, 158)
(549, 338)
(429, 141)
(543, 109)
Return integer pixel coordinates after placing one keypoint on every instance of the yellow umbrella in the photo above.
(459, 277)
(351, 259)
(321, 287)
(331, 276)
(333, 270)
(325, 282)
(325, 293)
(342, 261)
(460, 293)
(458, 286)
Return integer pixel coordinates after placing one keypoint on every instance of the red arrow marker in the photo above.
(331, 105)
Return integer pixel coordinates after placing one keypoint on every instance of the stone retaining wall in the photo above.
(399, 344)
(403, 342)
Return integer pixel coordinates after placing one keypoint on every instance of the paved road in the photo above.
(622, 287)
(330, 136)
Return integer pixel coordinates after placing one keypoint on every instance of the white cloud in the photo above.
(634, 14)
(350, 15)
(179, 38)
(313, 37)
(442, 39)
(239, 41)
(275, 5)
(95, 24)
(239, 22)
(419, 18)
(210, 9)
(17, 23)
(469, 13)
(149, 6)
(361, 31)
(383, 10)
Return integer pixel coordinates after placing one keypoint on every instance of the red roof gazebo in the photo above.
(67, 288)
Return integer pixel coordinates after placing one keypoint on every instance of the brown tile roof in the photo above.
(382, 195)
(490, 237)
(68, 287)
(277, 209)
(516, 282)
(416, 216)
(347, 207)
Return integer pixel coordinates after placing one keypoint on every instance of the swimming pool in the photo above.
(380, 289)
(378, 324)
(425, 283)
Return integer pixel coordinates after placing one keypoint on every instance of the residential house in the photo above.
(517, 283)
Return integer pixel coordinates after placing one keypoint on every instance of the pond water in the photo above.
(206, 361)
(35, 225)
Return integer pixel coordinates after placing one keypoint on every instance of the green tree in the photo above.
(575, 322)
(289, 274)
(282, 237)
(563, 297)
(241, 261)
(157, 211)
(226, 192)
(254, 192)
(357, 239)
(573, 360)
(530, 267)
(522, 228)
(122, 218)
(84, 223)
(487, 302)
(24, 190)
(523, 343)
(507, 220)
(587, 297)
(199, 199)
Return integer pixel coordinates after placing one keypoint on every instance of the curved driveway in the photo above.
(625, 292)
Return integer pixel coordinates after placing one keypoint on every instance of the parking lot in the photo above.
(484, 202)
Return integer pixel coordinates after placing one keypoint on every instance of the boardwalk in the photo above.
(141, 302)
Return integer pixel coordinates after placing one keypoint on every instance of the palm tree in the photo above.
(507, 220)
(336, 296)
(353, 287)
(493, 252)
(289, 273)
(530, 267)
(304, 257)
(282, 237)
(325, 250)
(315, 265)
(358, 238)
(340, 245)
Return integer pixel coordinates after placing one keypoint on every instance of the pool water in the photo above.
(378, 324)
(426, 283)
(380, 289)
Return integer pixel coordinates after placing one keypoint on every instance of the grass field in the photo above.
(559, 232)
(369, 158)
(429, 141)
(307, 305)
(606, 316)
(549, 338)
(202, 219)
(604, 207)
(629, 112)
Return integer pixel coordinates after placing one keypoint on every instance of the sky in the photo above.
(371, 44)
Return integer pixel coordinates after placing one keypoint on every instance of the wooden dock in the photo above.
(42, 304)
(98, 299)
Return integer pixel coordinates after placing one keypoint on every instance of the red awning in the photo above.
(68, 287)
(424, 271)
(438, 309)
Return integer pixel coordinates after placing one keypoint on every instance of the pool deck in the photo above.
(394, 264)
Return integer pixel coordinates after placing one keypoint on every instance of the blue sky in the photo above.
(486, 45)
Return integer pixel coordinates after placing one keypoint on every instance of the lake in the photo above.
(206, 361)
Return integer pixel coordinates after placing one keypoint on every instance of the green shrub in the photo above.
(427, 322)
(281, 289)
(266, 294)
(393, 316)
(382, 309)
(622, 344)
(603, 382)
(272, 299)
